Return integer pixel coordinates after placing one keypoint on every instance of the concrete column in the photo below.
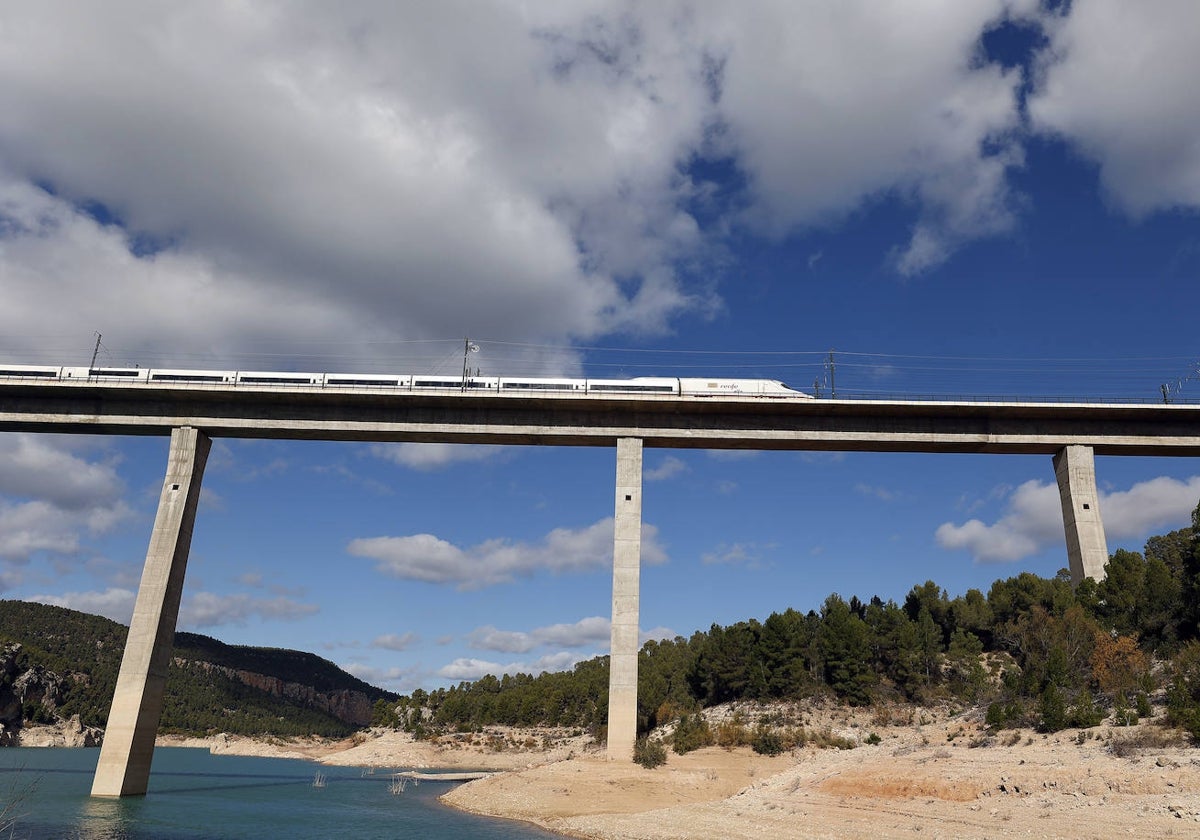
(1087, 550)
(128, 747)
(627, 559)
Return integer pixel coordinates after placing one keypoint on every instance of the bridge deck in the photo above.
(589, 420)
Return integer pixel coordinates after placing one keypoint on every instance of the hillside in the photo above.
(56, 663)
(1033, 652)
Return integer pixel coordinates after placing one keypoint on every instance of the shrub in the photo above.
(1142, 739)
(1143, 705)
(1085, 713)
(1053, 709)
(995, 716)
(733, 733)
(1122, 714)
(1118, 664)
(691, 733)
(767, 741)
(649, 753)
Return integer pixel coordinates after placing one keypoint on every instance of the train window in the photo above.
(188, 377)
(340, 380)
(640, 389)
(277, 380)
(37, 374)
(540, 386)
(114, 372)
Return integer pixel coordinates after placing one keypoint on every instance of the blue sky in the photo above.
(963, 198)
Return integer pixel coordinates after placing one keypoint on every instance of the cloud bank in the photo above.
(1033, 520)
(425, 557)
(342, 182)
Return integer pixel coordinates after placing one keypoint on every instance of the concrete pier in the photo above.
(124, 766)
(1087, 549)
(627, 558)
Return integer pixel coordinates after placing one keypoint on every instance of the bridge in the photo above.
(191, 414)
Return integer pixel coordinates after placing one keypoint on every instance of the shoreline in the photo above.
(948, 778)
(924, 774)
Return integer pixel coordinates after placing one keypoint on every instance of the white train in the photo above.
(648, 385)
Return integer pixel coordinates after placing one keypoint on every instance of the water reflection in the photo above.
(105, 819)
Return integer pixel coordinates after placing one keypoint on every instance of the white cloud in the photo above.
(594, 630)
(32, 527)
(1117, 80)
(44, 467)
(392, 641)
(203, 609)
(251, 579)
(113, 603)
(337, 182)
(1149, 505)
(881, 493)
(401, 679)
(658, 634)
(504, 641)
(207, 609)
(669, 468)
(432, 456)
(831, 105)
(439, 168)
(427, 558)
(1033, 520)
(470, 668)
(748, 554)
(56, 496)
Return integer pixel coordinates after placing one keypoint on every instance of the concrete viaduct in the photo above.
(1072, 433)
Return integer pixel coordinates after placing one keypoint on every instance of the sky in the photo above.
(969, 198)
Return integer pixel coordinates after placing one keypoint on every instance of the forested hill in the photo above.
(1032, 652)
(57, 663)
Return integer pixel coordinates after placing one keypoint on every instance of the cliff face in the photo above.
(353, 707)
(10, 705)
(40, 689)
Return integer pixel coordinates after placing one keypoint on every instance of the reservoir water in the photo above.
(194, 795)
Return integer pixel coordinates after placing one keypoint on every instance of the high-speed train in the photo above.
(642, 385)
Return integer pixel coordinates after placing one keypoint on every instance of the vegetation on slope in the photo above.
(1033, 650)
(74, 659)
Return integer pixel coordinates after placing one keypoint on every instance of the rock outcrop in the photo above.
(64, 733)
(10, 704)
(347, 705)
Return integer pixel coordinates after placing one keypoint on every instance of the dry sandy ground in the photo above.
(918, 782)
(937, 778)
(951, 792)
(497, 749)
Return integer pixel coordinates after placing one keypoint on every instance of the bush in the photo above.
(691, 733)
(767, 741)
(1143, 705)
(1053, 710)
(995, 716)
(648, 753)
(1085, 713)
(733, 733)
(1122, 714)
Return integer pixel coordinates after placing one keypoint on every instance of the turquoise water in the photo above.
(194, 795)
